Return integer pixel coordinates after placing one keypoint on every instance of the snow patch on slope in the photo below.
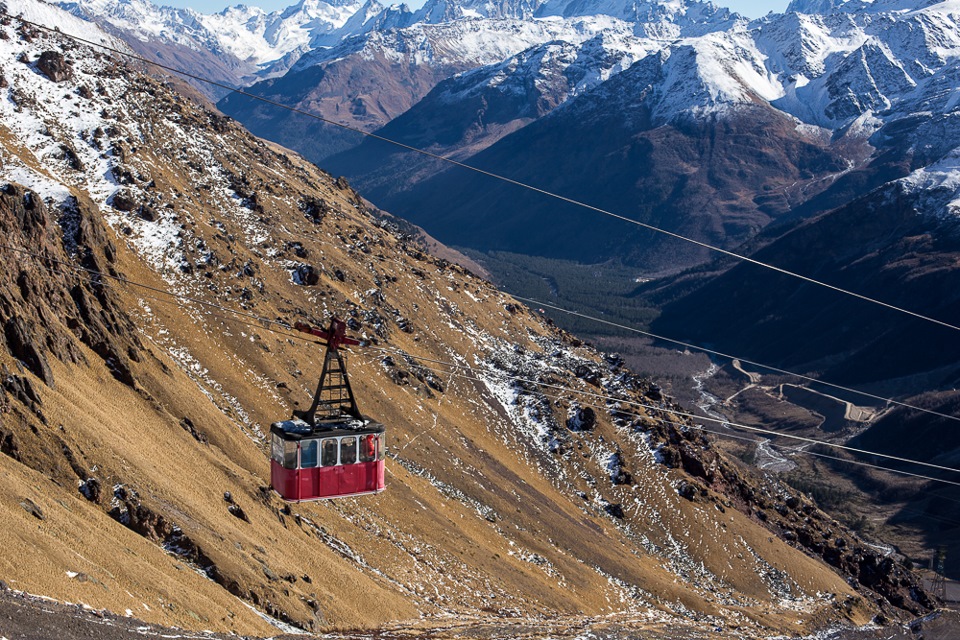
(937, 187)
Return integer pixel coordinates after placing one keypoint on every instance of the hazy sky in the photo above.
(750, 8)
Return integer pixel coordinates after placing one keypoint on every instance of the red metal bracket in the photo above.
(336, 335)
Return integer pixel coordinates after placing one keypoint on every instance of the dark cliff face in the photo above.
(354, 91)
(51, 305)
(718, 181)
(55, 295)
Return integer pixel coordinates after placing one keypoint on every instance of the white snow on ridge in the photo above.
(49, 189)
(45, 14)
(73, 134)
(937, 186)
(248, 33)
(259, 37)
(733, 67)
(479, 42)
(45, 120)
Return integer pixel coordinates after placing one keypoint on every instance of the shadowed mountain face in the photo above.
(880, 246)
(718, 180)
(899, 245)
(888, 246)
(933, 509)
(362, 93)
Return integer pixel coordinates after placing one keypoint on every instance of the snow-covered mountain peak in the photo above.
(842, 64)
(560, 68)
(140, 18)
(797, 44)
(653, 18)
(242, 12)
(245, 32)
(732, 69)
(48, 14)
(822, 6)
(501, 8)
(828, 7)
(472, 42)
(694, 78)
(307, 10)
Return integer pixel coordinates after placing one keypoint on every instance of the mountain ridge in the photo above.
(842, 77)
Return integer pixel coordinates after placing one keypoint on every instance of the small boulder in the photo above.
(587, 374)
(687, 490)
(31, 507)
(615, 510)
(55, 66)
(306, 275)
(581, 418)
(92, 489)
(123, 200)
(238, 512)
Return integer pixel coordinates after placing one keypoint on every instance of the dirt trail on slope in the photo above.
(26, 617)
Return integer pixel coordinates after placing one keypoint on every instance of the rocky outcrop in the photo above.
(793, 517)
(70, 287)
(55, 66)
(55, 305)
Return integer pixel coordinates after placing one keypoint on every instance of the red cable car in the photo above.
(337, 454)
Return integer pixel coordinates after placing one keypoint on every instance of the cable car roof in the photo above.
(297, 429)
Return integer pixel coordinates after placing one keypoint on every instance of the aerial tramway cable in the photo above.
(265, 323)
(500, 177)
(684, 414)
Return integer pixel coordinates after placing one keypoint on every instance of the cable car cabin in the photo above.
(330, 450)
(333, 459)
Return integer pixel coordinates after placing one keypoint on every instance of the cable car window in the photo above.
(329, 452)
(381, 446)
(348, 450)
(289, 454)
(309, 453)
(277, 449)
(368, 448)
